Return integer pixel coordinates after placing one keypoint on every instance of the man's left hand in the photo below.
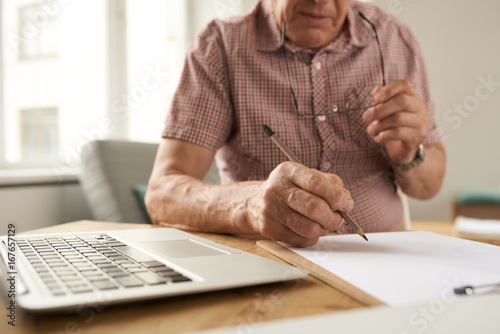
(398, 120)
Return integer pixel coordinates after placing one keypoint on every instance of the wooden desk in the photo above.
(245, 307)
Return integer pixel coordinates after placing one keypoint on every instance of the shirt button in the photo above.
(318, 66)
(321, 118)
(335, 108)
(326, 166)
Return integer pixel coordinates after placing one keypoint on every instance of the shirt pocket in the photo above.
(358, 101)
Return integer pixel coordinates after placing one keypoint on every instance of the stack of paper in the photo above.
(477, 228)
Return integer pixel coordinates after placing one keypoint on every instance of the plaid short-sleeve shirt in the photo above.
(235, 80)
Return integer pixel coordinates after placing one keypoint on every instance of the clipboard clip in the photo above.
(478, 290)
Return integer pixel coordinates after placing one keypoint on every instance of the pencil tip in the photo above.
(364, 236)
(267, 130)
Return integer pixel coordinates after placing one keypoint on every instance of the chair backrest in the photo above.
(111, 170)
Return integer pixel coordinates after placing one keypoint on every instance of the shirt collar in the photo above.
(268, 34)
(358, 33)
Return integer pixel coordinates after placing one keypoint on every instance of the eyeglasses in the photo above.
(335, 109)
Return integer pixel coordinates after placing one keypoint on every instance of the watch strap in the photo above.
(417, 160)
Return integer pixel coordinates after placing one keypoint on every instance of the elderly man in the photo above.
(345, 87)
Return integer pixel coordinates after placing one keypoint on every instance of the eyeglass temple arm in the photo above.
(283, 28)
(379, 47)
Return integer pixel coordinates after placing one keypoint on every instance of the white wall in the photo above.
(39, 206)
(461, 44)
(202, 11)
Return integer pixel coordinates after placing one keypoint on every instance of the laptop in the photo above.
(68, 271)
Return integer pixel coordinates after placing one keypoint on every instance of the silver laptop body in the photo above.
(71, 271)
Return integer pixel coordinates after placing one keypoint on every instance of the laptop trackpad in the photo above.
(181, 248)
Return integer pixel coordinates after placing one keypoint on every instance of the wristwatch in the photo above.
(417, 160)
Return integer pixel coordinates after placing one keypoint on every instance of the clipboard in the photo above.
(319, 272)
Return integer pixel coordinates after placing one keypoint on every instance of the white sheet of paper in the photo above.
(406, 267)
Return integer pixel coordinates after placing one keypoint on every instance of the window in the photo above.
(72, 71)
(54, 81)
(39, 134)
(38, 30)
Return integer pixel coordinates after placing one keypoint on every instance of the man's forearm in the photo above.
(185, 202)
(425, 180)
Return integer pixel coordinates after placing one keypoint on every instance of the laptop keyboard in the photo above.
(86, 263)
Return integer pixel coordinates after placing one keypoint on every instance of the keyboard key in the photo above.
(108, 264)
(118, 274)
(131, 265)
(86, 266)
(129, 281)
(50, 282)
(42, 271)
(150, 278)
(89, 271)
(138, 270)
(37, 264)
(118, 257)
(152, 264)
(105, 285)
(42, 248)
(103, 260)
(116, 244)
(111, 268)
(96, 277)
(62, 247)
(169, 273)
(46, 275)
(70, 279)
(59, 266)
(68, 272)
(124, 261)
(179, 278)
(80, 289)
(76, 283)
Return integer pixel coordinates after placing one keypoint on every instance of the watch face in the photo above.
(421, 150)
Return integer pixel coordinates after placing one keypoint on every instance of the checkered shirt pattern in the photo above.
(235, 80)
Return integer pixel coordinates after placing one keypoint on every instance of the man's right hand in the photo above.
(295, 204)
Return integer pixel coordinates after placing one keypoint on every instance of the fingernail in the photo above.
(368, 115)
(348, 205)
(369, 129)
(379, 97)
